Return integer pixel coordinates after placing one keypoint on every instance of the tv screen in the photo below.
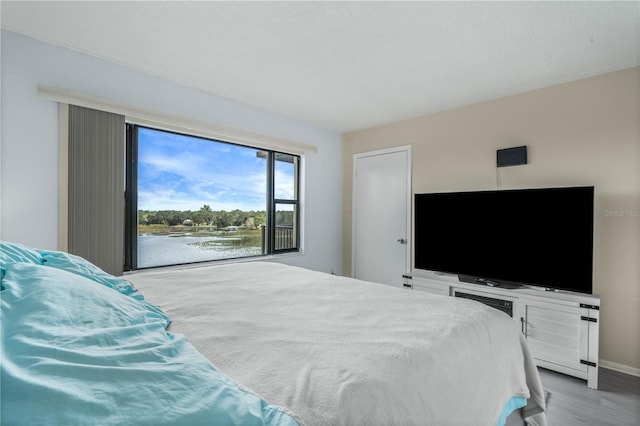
(540, 237)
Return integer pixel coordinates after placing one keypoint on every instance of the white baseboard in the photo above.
(620, 367)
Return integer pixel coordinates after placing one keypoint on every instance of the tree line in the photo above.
(208, 217)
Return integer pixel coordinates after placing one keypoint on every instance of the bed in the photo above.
(250, 343)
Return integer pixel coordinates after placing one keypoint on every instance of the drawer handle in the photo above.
(589, 363)
(523, 325)
(584, 305)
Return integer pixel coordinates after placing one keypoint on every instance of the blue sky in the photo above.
(177, 172)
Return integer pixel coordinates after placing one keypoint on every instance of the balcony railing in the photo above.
(285, 238)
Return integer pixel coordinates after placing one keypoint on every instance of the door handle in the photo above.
(402, 241)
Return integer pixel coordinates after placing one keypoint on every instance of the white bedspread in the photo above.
(341, 351)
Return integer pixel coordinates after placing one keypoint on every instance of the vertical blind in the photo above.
(96, 187)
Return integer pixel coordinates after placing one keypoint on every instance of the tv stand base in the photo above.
(488, 282)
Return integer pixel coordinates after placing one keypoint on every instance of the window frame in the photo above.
(275, 201)
(131, 199)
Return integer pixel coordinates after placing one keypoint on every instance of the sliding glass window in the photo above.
(285, 203)
(191, 199)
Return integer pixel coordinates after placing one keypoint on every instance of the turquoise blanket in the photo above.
(81, 351)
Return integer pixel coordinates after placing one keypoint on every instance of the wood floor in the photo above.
(572, 403)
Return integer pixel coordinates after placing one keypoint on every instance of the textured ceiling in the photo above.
(347, 65)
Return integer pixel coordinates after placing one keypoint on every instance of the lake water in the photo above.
(159, 250)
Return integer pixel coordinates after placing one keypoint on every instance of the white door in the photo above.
(382, 215)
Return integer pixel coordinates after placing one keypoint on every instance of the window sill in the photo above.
(217, 262)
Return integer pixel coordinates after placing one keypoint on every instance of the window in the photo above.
(191, 199)
(285, 203)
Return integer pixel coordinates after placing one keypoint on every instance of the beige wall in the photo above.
(579, 133)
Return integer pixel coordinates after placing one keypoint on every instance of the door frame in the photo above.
(356, 157)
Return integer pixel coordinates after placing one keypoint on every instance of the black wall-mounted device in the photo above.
(511, 156)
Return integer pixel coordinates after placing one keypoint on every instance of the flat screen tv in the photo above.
(539, 237)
